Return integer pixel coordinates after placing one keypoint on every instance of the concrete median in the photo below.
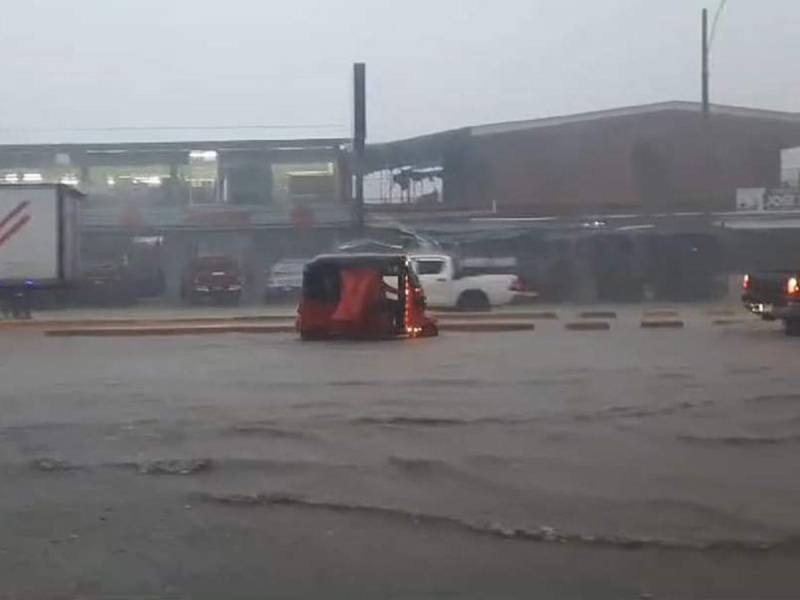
(183, 329)
(100, 322)
(155, 330)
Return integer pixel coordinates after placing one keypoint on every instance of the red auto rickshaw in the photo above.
(362, 296)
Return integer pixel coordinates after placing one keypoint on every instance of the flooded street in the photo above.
(604, 464)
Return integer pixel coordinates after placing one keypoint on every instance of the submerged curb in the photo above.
(144, 321)
(722, 322)
(598, 314)
(663, 324)
(588, 326)
(489, 316)
(486, 327)
(260, 329)
(660, 312)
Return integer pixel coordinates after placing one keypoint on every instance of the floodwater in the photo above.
(626, 463)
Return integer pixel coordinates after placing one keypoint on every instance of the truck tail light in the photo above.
(793, 287)
(746, 282)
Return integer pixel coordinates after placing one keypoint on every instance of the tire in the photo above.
(473, 300)
(792, 327)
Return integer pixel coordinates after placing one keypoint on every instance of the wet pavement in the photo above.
(575, 464)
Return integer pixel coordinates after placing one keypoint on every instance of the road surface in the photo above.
(626, 463)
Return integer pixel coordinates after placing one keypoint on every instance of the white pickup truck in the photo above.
(446, 288)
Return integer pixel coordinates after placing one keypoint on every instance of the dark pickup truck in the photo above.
(774, 295)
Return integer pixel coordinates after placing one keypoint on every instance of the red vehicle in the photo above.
(214, 278)
(366, 296)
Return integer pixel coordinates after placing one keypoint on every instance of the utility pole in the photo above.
(359, 141)
(705, 49)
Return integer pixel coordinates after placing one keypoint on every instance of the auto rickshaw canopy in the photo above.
(362, 295)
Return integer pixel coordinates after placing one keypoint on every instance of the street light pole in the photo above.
(359, 140)
(705, 75)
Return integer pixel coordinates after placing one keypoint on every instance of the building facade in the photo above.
(665, 157)
(165, 203)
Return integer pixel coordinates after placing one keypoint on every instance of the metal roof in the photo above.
(175, 146)
(670, 106)
(68, 190)
(170, 134)
(428, 150)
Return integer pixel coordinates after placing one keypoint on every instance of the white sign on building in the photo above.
(764, 199)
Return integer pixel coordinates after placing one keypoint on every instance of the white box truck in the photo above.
(39, 237)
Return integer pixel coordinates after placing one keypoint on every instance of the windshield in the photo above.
(288, 267)
(428, 266)
(211, 263)
(399, 299)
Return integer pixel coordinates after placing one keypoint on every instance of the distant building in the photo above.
(662, 157)
(153, 206)
(153, 187)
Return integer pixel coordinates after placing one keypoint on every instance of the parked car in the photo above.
(213, 278)
(284, 280)
(774, 295)
(446, 287)
(103, 283)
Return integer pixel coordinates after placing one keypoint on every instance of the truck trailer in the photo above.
(39, 241)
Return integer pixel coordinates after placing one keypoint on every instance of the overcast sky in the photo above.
(432, 64)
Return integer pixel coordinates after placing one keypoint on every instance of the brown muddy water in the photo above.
(628, 463)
